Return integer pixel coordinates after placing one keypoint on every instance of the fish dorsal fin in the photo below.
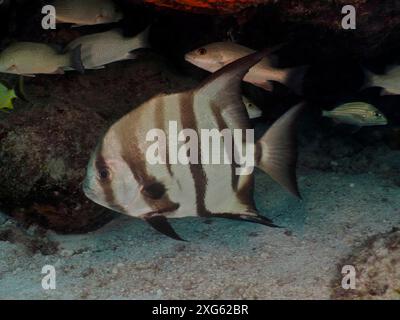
(223, 89)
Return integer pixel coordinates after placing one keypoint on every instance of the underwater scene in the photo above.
(199, 149)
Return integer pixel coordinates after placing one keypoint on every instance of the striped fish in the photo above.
(119, 176)
(359, 114)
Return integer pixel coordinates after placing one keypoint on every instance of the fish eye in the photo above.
(377, 114)
(104, 174)
(202, 51)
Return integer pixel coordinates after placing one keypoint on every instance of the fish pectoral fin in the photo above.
(277, 155)
(28, 75)
(161, 224)
(256, 218)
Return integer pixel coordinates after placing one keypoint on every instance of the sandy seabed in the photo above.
(223, 259)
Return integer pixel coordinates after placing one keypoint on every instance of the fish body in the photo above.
(87, 12)
(6, 98)
(214, 56)
(390, 81)
(253, 110)
(121, 177)
(30, 58)
(359, 114)
(100, 49)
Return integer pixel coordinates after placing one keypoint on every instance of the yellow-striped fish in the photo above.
(214, 56)
(6, 98)
(86, 12)
(121, 177)
(8, 94)
(358, 114)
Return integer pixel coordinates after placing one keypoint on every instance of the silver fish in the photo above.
(120, 177)
(214, 56)
(390, 81)
(100, 49)
(86, 12)
(29, 58)
(358, 114)
(253, 110)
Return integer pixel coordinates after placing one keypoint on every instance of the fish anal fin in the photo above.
(161, 224)
(277, 150)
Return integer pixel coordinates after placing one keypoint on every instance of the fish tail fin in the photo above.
(295, 79)
(76, 59)
(256, 218)
(325, 113)
(369, 79)
(277, 150)
(20, 90)
(143, 38)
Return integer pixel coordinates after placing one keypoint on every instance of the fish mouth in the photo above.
(189, 58)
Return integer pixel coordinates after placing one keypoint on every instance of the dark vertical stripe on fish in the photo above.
(136, 161)
(160, 124)
(105, 184)
(188, 119)
(221, 126)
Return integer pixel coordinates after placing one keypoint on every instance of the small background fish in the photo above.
(252, 109)
(87, 12)
(8, 94)
(103, 48)
(389, 81)
(359, 114)
(215, 55)
(30, 58)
